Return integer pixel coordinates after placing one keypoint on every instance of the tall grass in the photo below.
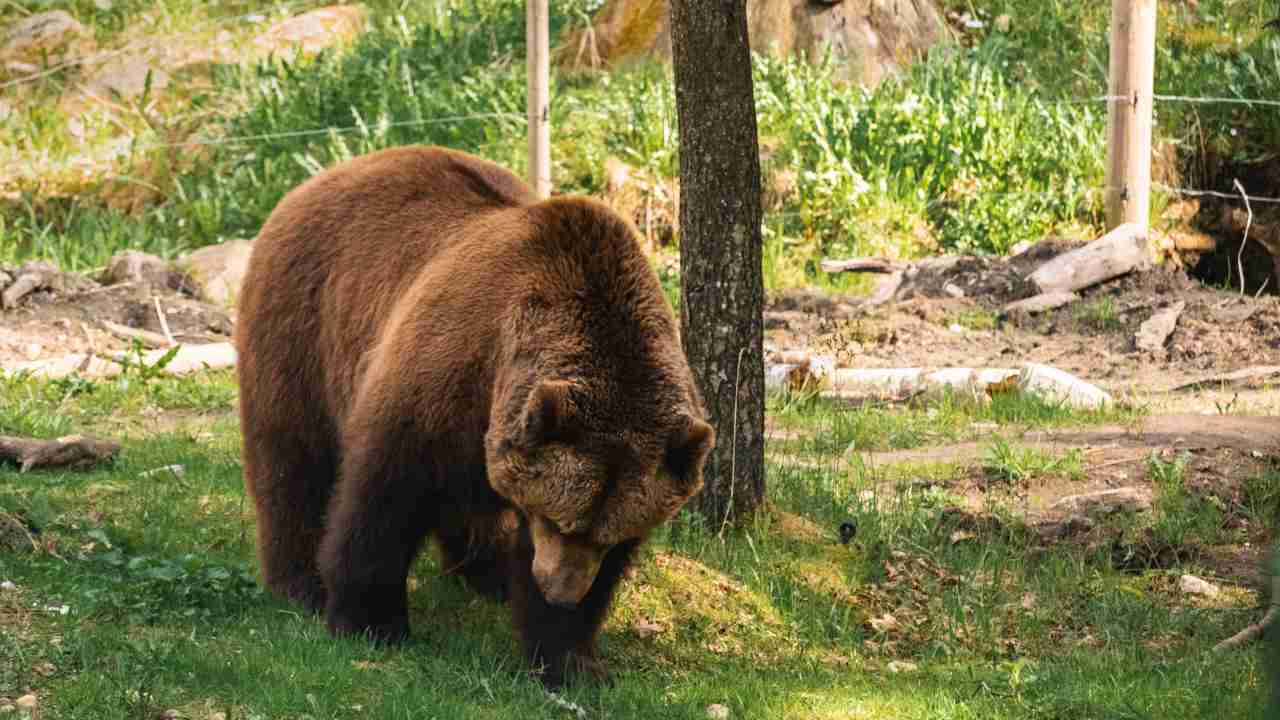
(974, 149)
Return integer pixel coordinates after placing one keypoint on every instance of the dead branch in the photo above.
(164, 321)
(31, 277)
(1254, 631)
(1240, 378)
(148, 338)
(74, 451)
(189, 358)
(875, 265)
(1042, 302)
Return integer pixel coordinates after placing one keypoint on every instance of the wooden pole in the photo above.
(538, 34)
(1132, 82)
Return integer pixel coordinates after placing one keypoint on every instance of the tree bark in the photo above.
(721, 283)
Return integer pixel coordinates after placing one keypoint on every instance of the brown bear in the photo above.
(427, 349)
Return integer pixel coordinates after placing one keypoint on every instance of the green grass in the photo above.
(950, 418)
(776, 620)
(1006, 462)
(888, 171)
(1098, 315)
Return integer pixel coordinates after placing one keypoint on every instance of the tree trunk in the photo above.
(721, 285)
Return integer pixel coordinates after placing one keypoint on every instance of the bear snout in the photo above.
(564, 568)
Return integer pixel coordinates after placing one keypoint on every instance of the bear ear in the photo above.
(545, 415)
(687, 450)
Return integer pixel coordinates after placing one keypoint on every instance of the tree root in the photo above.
(1254, 631)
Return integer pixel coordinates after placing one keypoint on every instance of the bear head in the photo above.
(585, 487)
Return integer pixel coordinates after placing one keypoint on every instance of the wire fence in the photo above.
(1237, 196)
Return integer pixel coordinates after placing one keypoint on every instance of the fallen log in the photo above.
(74, 451)
(1246, 377)
(1042, 302)
(188, 358)
(856, 265)
(1120, 251)
(820, 374)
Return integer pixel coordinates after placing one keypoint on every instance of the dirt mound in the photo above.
(948, 312)
(71, 313)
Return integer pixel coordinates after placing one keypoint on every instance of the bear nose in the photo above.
(563, 604)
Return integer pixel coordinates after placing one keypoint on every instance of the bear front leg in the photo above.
(378, 519)
(562, 641)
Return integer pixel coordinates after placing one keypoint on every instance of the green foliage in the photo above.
(1008, 463)
(1262, 497)
(1098, 314)
(777, 619)
(955, 141)
(1180, 516)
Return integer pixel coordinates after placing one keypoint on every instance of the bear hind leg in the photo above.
(290, 487)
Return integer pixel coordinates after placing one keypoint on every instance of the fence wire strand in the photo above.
(340, 130)
(383, 125)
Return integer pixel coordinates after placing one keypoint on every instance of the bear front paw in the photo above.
(390, 632)
(579, 666)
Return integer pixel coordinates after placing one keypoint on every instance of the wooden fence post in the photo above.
(538, 34)
(1130, 89)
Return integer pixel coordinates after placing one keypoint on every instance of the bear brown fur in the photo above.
(428, 350)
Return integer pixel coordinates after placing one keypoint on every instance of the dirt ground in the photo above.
(1217, 333)
(951, 315)
(1229, 429)
(47, 324)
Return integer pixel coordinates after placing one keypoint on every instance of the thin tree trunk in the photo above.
(721, 286)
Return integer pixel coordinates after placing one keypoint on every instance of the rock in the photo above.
(40, 33)
(1153, 333)
(8, 585)
(716, 711)
(216, 271)
(133, 266)
(1105, 502)
(902, 666)
(124, 77)
(1193, 585)
(26, 702)
(1067, 527)
(313, 31)
(869, 39)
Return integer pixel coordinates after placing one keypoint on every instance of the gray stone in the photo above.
(313, 31)
(216, 271)
(1156, 330)
(1192, 585)
(868, 39)
(125, 77)
(134, 266)
(1105, 502)
(39, 33)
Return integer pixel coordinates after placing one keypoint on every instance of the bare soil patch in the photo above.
(49, 324)
(1217, 331)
